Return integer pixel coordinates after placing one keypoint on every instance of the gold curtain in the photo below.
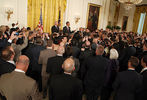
(139, 10)
(50, 12)
(145, 22)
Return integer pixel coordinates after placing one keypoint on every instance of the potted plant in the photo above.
(109, 27)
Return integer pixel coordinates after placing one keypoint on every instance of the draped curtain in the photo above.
(50, 13)
(139, 10)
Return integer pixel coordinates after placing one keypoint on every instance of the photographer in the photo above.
(18, 47)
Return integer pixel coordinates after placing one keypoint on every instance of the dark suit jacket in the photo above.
(144, 93)
(3, 44)
(85, 54)
(65, 87)
(111, 73)
(145, 53)
(5, 67)
(17, 86)
(126, 54)
(55, 29)
(95, 68)
(82, 58)
(127, 85)
(65, 30)
(33, 54)
(25, 50)
(75, 51)
(54, 65)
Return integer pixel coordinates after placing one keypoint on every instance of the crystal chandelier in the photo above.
(128, 3)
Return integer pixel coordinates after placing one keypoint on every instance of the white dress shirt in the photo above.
(144, 69)
(131, 69)
(12, 62)
(59, 55)
(18, 70)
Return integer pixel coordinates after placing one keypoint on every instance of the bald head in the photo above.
(22, 63)
(68, 65)
(60, 50)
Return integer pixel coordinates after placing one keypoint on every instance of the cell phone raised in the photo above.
(16, 34)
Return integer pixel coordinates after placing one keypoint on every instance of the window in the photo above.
(141, 23)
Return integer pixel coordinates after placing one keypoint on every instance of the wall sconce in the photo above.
(77, 19)
(9, 12)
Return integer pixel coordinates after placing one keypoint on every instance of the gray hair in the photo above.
(113, 54)
(68, 65)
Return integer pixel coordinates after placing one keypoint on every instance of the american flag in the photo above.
(40, 22)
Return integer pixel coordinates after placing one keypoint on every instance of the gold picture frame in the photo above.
(93, 9)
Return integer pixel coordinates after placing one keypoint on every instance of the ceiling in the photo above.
(144, 2)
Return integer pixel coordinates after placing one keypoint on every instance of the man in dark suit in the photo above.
(94, 67)
(144, 74)
(143, 52)
(30, 42)
(43, 58)
(85, 52)
(16, 85)
(128, 83)
(65, 87)
(35, 68)
(54, 64)
(7, 64)
(55, 28)
(145, 48)
(126, 54)
(66, 29)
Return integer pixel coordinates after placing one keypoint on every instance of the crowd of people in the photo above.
(69, 65)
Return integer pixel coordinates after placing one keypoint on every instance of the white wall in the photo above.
(19, 12)
(74, 8)
(143, 2)
(130, 15)
(112, 10)
(80, 8)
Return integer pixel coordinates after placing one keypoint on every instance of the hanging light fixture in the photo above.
(128, 3)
